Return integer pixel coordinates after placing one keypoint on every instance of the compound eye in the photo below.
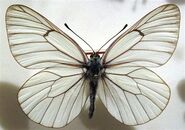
(91, 56)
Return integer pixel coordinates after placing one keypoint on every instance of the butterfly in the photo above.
(121, 77)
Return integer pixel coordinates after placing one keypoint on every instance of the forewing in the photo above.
(150, 42)
(133, 96)
(37, 43)
(54, 96)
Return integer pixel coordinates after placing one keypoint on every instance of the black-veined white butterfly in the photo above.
(131, 92)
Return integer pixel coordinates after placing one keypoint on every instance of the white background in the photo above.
(96, 21)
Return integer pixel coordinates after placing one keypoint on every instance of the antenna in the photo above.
(113, 37)
(78, 36)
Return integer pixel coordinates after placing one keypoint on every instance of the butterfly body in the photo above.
(94, 70)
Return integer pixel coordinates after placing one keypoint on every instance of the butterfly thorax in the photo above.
(94, 68)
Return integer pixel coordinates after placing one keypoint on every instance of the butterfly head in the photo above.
(95, 57)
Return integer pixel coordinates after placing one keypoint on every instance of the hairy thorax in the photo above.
(94, 67)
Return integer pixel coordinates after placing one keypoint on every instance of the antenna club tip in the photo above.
(125, 26)
(65, 24)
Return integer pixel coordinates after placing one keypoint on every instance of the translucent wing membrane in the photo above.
(150, 42)
(132, 93)
(54, 96)
(134, 96)
(37, 43)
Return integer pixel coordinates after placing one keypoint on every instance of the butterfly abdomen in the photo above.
(93, 87)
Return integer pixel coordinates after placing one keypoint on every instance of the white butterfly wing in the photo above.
(54, 96)
(150, 42)
(134, 97)
(37, 43)
(132, 93)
